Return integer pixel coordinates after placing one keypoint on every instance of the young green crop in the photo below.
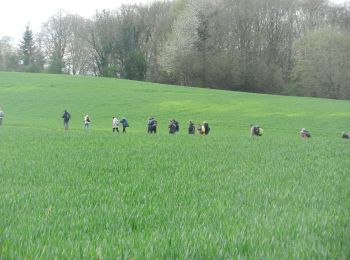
(99, 194)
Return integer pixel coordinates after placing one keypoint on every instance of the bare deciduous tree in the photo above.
(55, 33)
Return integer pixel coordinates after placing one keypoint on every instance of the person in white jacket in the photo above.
(115, 124)
(87, 122)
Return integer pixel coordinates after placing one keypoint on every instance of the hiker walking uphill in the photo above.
(87, 122)
(203, 129)
(256, 130)
(200, 129)
(2, 115)
(66, 117)
(191, 128)
(151, 125)
(173, 126)
(125, 123)
(115, 124)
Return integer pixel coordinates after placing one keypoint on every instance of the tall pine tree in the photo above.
(27, 47)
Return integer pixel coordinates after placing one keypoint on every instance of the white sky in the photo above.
(16, 14)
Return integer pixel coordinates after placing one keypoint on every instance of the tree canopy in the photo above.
(292, 47)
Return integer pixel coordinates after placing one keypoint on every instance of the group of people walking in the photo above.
(152, 123)
(202, 129)
(174, 127)
(87, 122)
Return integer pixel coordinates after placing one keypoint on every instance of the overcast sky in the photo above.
(15, 14)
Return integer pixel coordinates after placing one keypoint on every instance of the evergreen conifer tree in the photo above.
(27, 47)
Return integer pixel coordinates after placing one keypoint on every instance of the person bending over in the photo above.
(304, 133)
(256, 130)
(345, 135)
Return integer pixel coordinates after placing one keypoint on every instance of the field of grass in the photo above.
(102, 195)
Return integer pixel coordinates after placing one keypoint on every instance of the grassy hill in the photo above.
(226, 195)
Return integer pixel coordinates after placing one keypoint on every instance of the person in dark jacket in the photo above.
(66, 117)
(191, 128)
(152, 125)
(125, 123)
(173, 126)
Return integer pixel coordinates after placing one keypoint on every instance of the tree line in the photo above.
(290, 47)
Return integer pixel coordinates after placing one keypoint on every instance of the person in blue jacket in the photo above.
(125, 123)
(66, 117)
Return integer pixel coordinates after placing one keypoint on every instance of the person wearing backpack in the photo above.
(201, 129)
(191, 128)
(66, 117)
(172, 126)
(256, 130)
(152, 125)
(125, 123)
(304, 133)
(87, 122)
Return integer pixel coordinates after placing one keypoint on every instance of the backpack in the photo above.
(261, 131)
(207, 130)
(177, 126)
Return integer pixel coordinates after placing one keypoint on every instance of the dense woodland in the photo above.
(290, 47)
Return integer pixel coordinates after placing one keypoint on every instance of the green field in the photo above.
(102, 195)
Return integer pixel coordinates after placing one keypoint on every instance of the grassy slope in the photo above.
(39, 101)
(100, 195)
